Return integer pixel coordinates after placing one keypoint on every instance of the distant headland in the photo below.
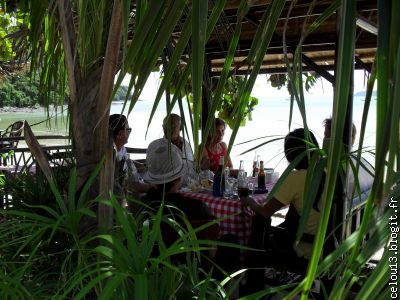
(363, 93)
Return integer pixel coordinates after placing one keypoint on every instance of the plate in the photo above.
(260, 191)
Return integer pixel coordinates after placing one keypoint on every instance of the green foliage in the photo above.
(52, 249)
(11, 21)
(22, 90)
(228, 106)
(277, 80)
(6, 27)
(19, 91)
(280, 80)
(29, 189)
(120, 94)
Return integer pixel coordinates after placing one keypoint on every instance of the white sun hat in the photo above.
(164, 164)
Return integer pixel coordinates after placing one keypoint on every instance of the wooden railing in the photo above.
(20, 158)
(13, 161)
(16, 160)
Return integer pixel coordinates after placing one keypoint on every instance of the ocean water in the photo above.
(270, 120)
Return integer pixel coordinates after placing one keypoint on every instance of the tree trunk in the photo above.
(87, 131)
(90, 101)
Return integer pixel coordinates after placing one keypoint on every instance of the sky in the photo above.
(270, 117)
(261, 86)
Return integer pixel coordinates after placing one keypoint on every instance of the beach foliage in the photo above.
(53, 249)
(228, 104)
(19, 91)
(282, 80)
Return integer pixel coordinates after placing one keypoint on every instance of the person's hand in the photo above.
(246, 201)
(149, 186)
(234, 173)
(205, 163)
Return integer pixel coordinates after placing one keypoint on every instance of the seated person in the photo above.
(214, 148)
(365, 172)
(291, 190)
(171, 128)
(164, 170)
(127, 179)
(290, 193)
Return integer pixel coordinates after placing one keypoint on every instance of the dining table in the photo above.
(233, 217)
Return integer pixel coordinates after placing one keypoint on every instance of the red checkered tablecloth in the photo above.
(235, 219)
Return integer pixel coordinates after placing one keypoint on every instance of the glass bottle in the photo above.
(241, 166)
(241, 174)
(242, 181)
(254, 174)
(219, 179)
(261, 177)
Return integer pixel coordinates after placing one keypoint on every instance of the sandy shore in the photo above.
(7, 109)
(32, 109)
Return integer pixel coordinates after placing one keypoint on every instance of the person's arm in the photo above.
(187, 151)
(134, 179)
(225, 147)
(141, 167)
(266, 210)
(141, 187)
(205, 162)
(230, 165)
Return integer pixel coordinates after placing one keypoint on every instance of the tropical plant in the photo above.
(27, 189)
(8, 26)
(18, 91)
(53, 251)
(120, 94)
(280, 80)
(227, 109)
(228, 104)
(355, 255)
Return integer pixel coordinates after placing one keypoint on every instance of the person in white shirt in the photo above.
(127, 181)
(171, 128)
(365, 176)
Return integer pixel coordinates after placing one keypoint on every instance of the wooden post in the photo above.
(341, 207)
(37, 151)
(105, 214)
(204, 99)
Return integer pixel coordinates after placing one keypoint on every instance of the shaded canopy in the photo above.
(318, 47)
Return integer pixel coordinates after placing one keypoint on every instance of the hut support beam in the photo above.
(313, 66)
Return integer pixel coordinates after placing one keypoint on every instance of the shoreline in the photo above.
(31, 109)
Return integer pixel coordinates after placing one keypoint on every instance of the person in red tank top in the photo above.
(214, 148)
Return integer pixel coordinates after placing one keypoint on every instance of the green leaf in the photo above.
(199, 26)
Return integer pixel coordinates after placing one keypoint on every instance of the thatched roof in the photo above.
(318, 47)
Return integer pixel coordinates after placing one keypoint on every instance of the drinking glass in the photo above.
(193, 183)
(268, 174)
(229, 187)
(245, 190)
(206, 178)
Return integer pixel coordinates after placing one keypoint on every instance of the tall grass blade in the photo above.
(149, 60)
(315, 173)
(171, 68)
(344, 71)
(265, 33)
(242, 11)
(89, 182)
(199, 26)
